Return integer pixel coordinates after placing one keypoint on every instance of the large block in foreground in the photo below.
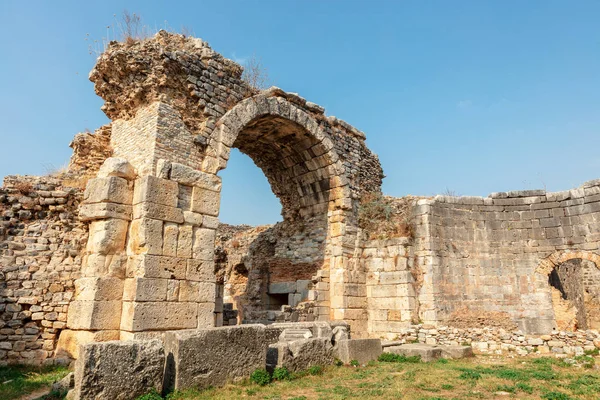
(361, 350)
(213, 357)
(118, 370)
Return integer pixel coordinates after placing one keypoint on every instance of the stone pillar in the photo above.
(95, 312)
(170, 271)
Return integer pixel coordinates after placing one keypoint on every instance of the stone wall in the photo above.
(495, 253)
(41, 240)
(503, 341)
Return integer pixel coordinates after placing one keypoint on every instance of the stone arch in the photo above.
(292, 148)
(558, 257)
(562, 278)
(315, 160)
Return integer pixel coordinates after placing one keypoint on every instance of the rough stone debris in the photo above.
(118, 370)
(127, 243)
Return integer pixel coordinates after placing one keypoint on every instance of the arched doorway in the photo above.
(282, 266)
(573, 280)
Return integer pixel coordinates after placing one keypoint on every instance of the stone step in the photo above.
(428, 352)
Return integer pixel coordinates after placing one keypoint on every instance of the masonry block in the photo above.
(145, 237)
(151, 316)
(119, 370)
(98, 211)
(156, 190)
(151, 266)
(206, 201)
(69, 341)
(94, 315)
(170, 234)
(213, 357)
(362, 350)
(145, 289)
(158, 211)
(200, 270)
(108, 190)
(200, 292)
(204, 244)
(102, 289)
(185, 241)
(107, 236)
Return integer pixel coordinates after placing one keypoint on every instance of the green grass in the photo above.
(18, 380)
(398, 378)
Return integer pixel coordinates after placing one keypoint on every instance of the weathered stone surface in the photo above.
(205, 201)
(426, 352)
(300, 354)
(361, 350)
(213, 357)
(152, 316)
(155, 190)
(456, 352)
(94, 315)
(70, 341)
(108, 190)
(91, 212)
(118, 167)
(118, 370)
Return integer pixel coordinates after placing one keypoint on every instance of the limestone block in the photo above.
(191, 177)
(200, 270)
(119, 370)
(204, 244)
(103, 289)
(300, 354)
(426, 352)
(282, 287)
(158, 211)
(210, 222)
(200, 292)
(192, 218)
(139, 316)
(69, 341)
(206, 315)
(156, 190)
(213, 357)
(114, 166)
(108, 190)
(94, 315)
(150, 266)
(185, 241)
(107, 236)
(145, 236)
(170, 233)
(92, 212)
(145, 289)
(206, 201)
(456, 352)
(362, 350)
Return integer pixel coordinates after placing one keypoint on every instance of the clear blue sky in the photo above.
(472, 96)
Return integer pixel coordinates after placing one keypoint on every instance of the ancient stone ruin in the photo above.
(127, 244)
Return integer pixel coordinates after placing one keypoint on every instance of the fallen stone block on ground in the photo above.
(214, 356)
(457, 352)
(427, 352)
(118, 370)
(300, 354)
(361, 350)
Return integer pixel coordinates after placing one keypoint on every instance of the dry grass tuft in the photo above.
(381, 217)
